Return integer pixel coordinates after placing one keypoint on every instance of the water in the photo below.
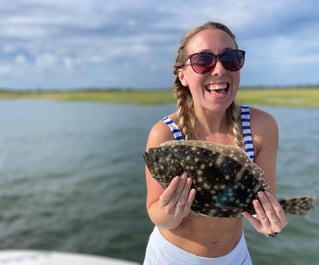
(72, 179)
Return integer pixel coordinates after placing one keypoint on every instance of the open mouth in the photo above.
(220, 88)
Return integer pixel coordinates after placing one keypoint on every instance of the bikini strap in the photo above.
(248, 140)
(245, 120)
(174, 128)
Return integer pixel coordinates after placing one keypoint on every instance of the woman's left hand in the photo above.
(270, 216)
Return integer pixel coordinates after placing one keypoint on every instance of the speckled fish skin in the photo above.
(225, 179)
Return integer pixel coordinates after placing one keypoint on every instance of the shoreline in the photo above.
(286, 97)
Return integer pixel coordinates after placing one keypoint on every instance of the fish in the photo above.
(225, 179)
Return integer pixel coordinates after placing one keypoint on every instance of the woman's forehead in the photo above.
(211, 40)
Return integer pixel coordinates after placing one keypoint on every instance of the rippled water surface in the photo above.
(72, 179)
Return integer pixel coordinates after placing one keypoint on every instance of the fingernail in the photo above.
(269, 194)
(261, 195)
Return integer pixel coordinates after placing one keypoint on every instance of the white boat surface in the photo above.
(40, 257)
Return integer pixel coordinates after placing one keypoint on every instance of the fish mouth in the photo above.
(219, 88)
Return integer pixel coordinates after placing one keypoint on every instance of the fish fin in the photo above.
(298, 205)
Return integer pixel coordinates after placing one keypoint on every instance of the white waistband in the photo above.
(162, 252)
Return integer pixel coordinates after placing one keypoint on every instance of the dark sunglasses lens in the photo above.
(202, 62)
(233, 60)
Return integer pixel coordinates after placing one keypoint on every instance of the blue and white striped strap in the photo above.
(248, 140)
(245, 119)
(174, 128)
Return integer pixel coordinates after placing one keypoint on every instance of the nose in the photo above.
(219, 69)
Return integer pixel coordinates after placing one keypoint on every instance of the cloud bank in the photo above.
(117, 44)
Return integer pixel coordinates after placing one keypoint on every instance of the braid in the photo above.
(235, 124)
(184, 109)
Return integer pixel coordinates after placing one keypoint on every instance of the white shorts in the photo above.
(161, 252)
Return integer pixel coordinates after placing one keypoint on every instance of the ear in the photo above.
(181, 77)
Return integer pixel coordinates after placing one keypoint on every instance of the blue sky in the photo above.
(65, 44)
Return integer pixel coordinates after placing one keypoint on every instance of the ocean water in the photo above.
(72, 179)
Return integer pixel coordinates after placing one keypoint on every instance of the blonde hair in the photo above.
(185, 104)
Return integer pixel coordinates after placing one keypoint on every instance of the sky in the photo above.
(66, 44)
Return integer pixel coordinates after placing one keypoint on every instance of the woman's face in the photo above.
(215, 90)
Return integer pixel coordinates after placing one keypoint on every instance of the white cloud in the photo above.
(7, 49)
(117, 43)
(5, 70)
(46, 61)
(20, 59)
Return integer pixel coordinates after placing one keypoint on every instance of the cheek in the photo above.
(186, 77)
(235, 76)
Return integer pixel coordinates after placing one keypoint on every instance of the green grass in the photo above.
(107, 96)
(292, 97)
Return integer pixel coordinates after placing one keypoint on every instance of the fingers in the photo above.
(270, 217)
(185, 200)
(173, 191)
(270, 212)
(280, 214)
(167, 196)
(178, 196)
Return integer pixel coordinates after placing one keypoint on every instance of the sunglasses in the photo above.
(204, 62)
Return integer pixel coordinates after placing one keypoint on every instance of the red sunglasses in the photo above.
(204, 62)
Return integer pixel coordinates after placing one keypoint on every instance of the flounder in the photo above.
(225, 179)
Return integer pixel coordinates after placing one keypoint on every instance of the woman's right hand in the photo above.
(176, 200)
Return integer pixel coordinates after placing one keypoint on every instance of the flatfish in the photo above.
(225, 179)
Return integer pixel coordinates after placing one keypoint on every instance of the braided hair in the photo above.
(185, 104)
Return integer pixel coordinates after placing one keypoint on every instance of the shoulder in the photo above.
(264, 129)
(159, 133)
(262, 121)
(265, 137)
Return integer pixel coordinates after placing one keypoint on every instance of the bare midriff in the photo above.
(206, 236)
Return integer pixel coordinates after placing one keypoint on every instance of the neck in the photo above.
(213, 127)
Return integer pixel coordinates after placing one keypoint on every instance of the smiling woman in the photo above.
(207, 76)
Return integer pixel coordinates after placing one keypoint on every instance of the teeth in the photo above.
(213, 87)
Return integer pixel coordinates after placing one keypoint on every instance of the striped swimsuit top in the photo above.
(245, 121)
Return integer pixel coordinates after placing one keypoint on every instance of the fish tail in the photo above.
(297, 206)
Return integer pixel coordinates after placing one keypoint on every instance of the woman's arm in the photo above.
(270, 217)
(167, 208)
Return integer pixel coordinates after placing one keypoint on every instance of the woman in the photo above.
(207, 79)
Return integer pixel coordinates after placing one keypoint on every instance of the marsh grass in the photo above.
(290, 97)
(107, 96)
